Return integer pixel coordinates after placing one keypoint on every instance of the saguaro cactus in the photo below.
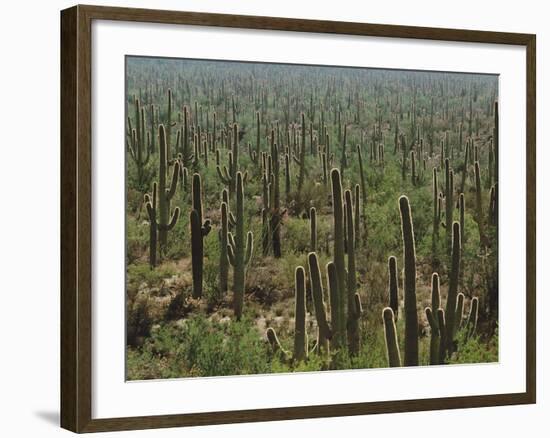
(239, 251)
(409, 261)
(320, 312)
(479, 207)
(448, 201)
(255, 154)
(357, 215)
(228, 174)
(301, 159)
(339, 261)
(354, 301)
(139, 151)
(199, 230)
(300, 335)
(154, 226)
(362, 178)
(435, 193)
(169, 125)
(431, 315)
(165, 194)
(224, 258)
(313, 229)
(392, 346)
(450, 309)
(275, 201)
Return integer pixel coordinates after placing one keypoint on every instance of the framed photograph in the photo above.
(271, 218)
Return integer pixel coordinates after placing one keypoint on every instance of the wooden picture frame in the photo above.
(76, 217)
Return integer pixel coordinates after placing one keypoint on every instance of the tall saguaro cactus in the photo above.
(450, 309)
(339, 258)
(239, 250)
(165, 194)
(354, 301)
(300, 334)
(409, 261)
(199, 230)
(435, 230)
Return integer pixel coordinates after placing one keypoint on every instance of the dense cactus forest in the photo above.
(286, 218)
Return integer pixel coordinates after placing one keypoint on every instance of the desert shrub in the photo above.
(200, 347)
(472, 349)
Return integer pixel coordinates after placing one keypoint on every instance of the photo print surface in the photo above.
(292, 218)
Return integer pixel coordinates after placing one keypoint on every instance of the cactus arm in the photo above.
(472, 317)
(231, 254)
(223, 174)
(173, 220)
(276, 345)
(249, 247)
(174, 182)
(317, 292)
(206, 227)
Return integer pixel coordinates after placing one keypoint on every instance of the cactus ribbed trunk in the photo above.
(409, 262)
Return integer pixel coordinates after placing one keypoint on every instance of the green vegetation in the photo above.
(296, 218)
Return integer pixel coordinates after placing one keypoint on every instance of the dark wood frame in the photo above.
(76, 174)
